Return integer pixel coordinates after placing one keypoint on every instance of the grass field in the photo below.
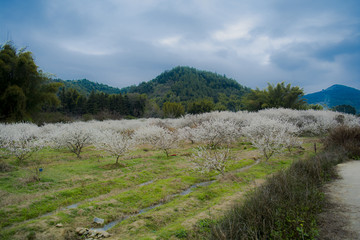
(31, 209)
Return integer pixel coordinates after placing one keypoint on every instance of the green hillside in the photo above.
(183, 84)
(336, 95)
(85, 87)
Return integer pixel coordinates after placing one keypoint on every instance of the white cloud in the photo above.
(253, 41)
(170, 41)
(237, 31)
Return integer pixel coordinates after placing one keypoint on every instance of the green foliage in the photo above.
(201, 106)
(102, 104)
(279, 96)
(181, 233)
(173, 110)
(285, 207)
(24, 89)
(344, 109)
(315, 107)
(14, 103)
(185, 84)
(85, 87)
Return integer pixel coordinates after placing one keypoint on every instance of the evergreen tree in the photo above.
(201, 106)
(173, 110)
(345, 109)
(24, 89)
(279, 96)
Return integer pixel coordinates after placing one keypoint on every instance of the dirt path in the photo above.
(343, 214)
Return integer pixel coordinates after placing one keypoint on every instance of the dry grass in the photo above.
(345, 137)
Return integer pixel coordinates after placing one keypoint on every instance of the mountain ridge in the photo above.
(184, 83)
(85, 86)
(187, 84)
(335, 95)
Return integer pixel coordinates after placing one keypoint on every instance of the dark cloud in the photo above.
(346, 47)
(307, 43)
(287, 62)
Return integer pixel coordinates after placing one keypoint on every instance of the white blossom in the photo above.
(187, 133)
(209, 159)
(115, 143)
(74, 136)
(159, 137)
(217, 131)
(20, 140)
(270, 135)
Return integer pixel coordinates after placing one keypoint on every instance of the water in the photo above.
(146, 183)
(75, 205)
(113, 223)
(202, 184)
(183, 193)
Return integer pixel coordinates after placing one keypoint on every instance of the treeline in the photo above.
(85, 87)
(75, 104)
(27, 94)
(24, 89)
(100, 105)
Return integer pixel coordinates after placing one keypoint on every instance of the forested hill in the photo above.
(336, 95)
(183, 84)
(85, 87)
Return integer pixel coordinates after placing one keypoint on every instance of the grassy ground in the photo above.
(111, 192)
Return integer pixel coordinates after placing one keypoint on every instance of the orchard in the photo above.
(146, 177)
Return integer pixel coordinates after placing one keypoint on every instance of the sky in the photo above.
(308, 43)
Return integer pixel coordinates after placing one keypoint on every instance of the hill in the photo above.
(85, 87)
(184, 84)
(336, 95)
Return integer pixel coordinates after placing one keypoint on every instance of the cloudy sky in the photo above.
(309, 43)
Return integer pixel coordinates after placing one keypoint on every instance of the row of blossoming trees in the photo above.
(270, 131)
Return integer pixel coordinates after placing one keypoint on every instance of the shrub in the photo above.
(345, 137)
(5, 167)
(285, 207)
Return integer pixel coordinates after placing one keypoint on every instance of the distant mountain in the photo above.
(85, 87)
(188, 84)
(336, 95)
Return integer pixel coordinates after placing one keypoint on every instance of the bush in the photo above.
(344, 137)
(285, 207)
(5, 167)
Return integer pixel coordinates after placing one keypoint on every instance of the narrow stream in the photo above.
(141, 211)
(113, 223)
(75, 205)
(185, 192)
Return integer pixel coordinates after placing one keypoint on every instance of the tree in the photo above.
(173, 110)
(217, 131)
(201, 106)
(279, 96)
(159, 137)
(270, 135)
(74, 136)
(344, 109)
(209, 159)
(20, 140)
(24, 89)
(115, 143)
(315, 107)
